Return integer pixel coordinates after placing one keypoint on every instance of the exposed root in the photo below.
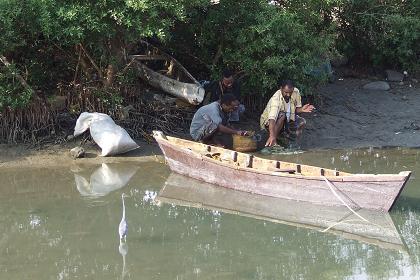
(40, 123)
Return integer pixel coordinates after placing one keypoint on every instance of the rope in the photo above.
(330, 185)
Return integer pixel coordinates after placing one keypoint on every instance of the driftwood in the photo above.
(151, 62)
(192, 93)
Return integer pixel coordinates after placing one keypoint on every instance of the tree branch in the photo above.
(6, 63)
(92, 61)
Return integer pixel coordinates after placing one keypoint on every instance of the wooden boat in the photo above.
(164, 72)
(377, 227)
(248, 173)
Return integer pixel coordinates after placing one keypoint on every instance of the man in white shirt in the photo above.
(281, 110)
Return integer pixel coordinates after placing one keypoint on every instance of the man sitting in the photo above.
(227, 85)
(280, 113)
(213, 118)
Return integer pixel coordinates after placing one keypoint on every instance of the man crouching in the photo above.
(212, 119)
(280, 113)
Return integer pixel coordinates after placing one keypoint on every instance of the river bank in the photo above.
(347, 116)
(21, 156)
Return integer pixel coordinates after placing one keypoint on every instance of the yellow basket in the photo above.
(244, 143)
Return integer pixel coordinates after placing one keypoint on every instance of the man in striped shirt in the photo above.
(280, 112)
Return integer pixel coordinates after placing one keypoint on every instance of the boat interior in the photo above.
(244, 160)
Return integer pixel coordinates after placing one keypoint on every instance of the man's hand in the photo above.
(243, 133)
(271, 141)
(307, 108)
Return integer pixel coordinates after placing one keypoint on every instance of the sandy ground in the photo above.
(347, 116)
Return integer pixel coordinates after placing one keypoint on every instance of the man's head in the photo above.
(227, 80)
(229, 103)
(287, 87)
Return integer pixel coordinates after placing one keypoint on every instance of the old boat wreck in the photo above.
(372, 227)
(164, 72)
(248, 173)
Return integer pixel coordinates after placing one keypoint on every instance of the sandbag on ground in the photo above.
(112, 138)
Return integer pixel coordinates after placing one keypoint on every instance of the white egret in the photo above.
(123, 228)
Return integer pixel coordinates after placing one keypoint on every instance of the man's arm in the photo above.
(271, 127)
(224, 129)
(307, 108)
(272, 139)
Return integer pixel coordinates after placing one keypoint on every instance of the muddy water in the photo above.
(63, 224)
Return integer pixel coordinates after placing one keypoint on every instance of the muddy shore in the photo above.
(347, 116)
(21, 156)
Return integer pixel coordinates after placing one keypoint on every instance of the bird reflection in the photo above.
(123, 228)
(123, 249)
(122, 231)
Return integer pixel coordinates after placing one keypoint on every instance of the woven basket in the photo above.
(244, 143)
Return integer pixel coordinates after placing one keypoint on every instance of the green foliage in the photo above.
(9, 15)
(386, 35)
(267, 42)
(12, 93)
(108, 96)
(264, 41)
(399, 45)
(41, 36)
(94, 22)
(277, 47)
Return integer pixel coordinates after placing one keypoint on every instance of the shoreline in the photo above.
(348, 117)
(50, 156)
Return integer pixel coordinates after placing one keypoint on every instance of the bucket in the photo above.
(244, 143)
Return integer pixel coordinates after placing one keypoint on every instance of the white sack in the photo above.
(112, 139)
(85, 119)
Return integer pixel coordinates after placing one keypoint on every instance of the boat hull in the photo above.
(375, 192)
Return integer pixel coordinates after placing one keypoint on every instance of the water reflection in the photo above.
(48, 230)
(122, 231)
(123, 249)
(105, 179)
(372, 227)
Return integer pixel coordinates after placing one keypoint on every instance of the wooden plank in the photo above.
(148, 57)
